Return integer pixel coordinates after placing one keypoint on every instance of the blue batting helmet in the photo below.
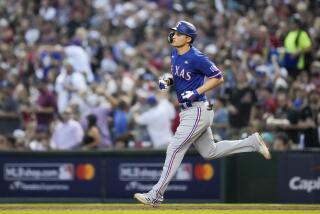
(186, 28)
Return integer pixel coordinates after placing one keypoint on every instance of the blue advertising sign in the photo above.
(195, 178)
(47, 177)
(299, 177)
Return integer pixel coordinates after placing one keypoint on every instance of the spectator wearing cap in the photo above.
(297, 44)
(74, 53)
(68, 133)
(263, 77)
(80, 59)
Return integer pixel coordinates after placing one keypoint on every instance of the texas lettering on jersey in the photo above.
(180, 72)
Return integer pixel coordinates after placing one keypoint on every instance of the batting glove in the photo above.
(190, 96)
(163, 84)
(165, 81)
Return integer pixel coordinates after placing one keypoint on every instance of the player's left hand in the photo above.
(190, 96)
(163, 85)
(165, 81)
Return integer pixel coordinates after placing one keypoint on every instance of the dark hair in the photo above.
(222, 100)
(92, 120)
(283, 137)
(122, 105)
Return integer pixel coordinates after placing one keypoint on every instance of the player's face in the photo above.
(180, 40)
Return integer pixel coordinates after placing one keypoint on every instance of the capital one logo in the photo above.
(309, 185)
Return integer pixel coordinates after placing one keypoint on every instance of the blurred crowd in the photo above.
(83, 74)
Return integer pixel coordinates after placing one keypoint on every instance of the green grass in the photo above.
(140, 205)
(159, 212)
(165, 209)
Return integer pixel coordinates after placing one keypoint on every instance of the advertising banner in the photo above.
(195, 178)
(50, 177)
(299, 175)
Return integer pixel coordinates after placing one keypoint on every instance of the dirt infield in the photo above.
(167, 207)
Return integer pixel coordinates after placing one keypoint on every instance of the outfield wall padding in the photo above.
(290, 177)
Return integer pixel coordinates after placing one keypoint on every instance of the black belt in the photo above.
(184, 106)
(187, 105)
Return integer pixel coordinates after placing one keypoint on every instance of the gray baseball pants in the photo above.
(195, 128)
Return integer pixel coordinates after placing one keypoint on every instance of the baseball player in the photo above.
(189, 67)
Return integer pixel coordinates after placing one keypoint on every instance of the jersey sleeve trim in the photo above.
(217, 76)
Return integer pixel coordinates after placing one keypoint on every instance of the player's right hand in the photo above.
(190, 96)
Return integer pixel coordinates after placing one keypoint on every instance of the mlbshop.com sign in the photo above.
(109, 177)
(138, 173)
(195, 178)
(39, 177)
(48, 171)
(151, 172)
(38, 172)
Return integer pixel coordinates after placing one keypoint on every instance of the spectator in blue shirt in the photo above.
(121, 132)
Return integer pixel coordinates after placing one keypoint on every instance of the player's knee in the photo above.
(206, 156)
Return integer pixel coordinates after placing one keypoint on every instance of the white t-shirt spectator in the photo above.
(80, 60)
(65, 97)
(158, 121)
(67, 135)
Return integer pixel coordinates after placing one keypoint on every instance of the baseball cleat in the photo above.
(144, 199)
(263, 149)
